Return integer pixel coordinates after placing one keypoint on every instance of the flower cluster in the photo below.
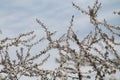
(94, 50)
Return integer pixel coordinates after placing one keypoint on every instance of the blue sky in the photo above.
(17, 16)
